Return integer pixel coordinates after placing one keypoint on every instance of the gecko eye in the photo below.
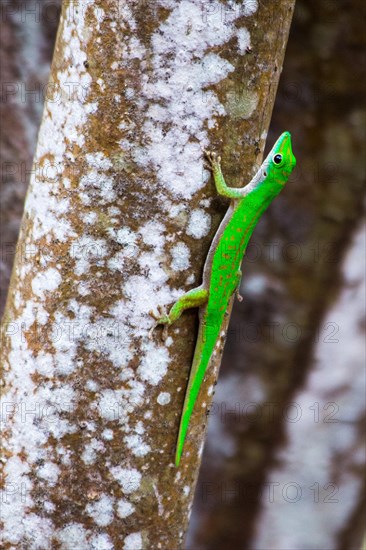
(277, 159)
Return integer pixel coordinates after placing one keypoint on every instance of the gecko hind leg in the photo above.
(194, 298)
(237, 291)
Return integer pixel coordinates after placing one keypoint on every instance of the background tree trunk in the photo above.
(28, 30)
(283, 468)
(118, 206)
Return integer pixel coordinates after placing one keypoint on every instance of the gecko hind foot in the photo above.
(161, 319)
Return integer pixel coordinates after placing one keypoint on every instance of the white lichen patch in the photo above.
(107, 434)
(108, 338)
(109, 404)
(92, 385)
(143, 296)
(139, 428)
(116, 262)
(98, 160)
(129, 479)
(67, 333)
(136, 444)
(164, 398)
(89, 455)
(101, 84)
(46, 281)
(101, 510)
(199, 224)
(48, 213)
(73, 535)
(169, 341)
(86, 252)
(83, 288)
(180, 257)
(190, 280)
(49, 472)
(179, 92)
(101, 542)
(114, 211)
(49, 507)
(153, 235)
(90, 217)
(154, 363)
(65, 455)
(243, 40)
(124, 508)
(125, 237)
(118, 405)
(133, 542)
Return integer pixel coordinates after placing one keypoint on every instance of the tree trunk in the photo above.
(27, 37)
(285, 432)
(118, 220)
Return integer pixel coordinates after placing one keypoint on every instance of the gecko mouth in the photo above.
(285, 147)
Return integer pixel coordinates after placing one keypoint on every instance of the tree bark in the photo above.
(118, 220)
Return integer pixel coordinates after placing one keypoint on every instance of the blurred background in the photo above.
(284, 461)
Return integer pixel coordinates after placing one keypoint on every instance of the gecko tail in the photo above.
(186, 416)
(179, 450)
(201, 360)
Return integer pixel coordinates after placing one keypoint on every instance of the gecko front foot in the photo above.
(213, 160)
(161, 319)
(239, 296)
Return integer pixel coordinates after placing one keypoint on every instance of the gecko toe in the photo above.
(153, 315)
(151, 332)
(165, 332)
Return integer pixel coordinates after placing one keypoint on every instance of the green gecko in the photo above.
(221, 272)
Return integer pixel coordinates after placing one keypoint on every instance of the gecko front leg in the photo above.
(214, 164)
(196, 297)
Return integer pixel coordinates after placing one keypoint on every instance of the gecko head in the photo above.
(281, 159)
